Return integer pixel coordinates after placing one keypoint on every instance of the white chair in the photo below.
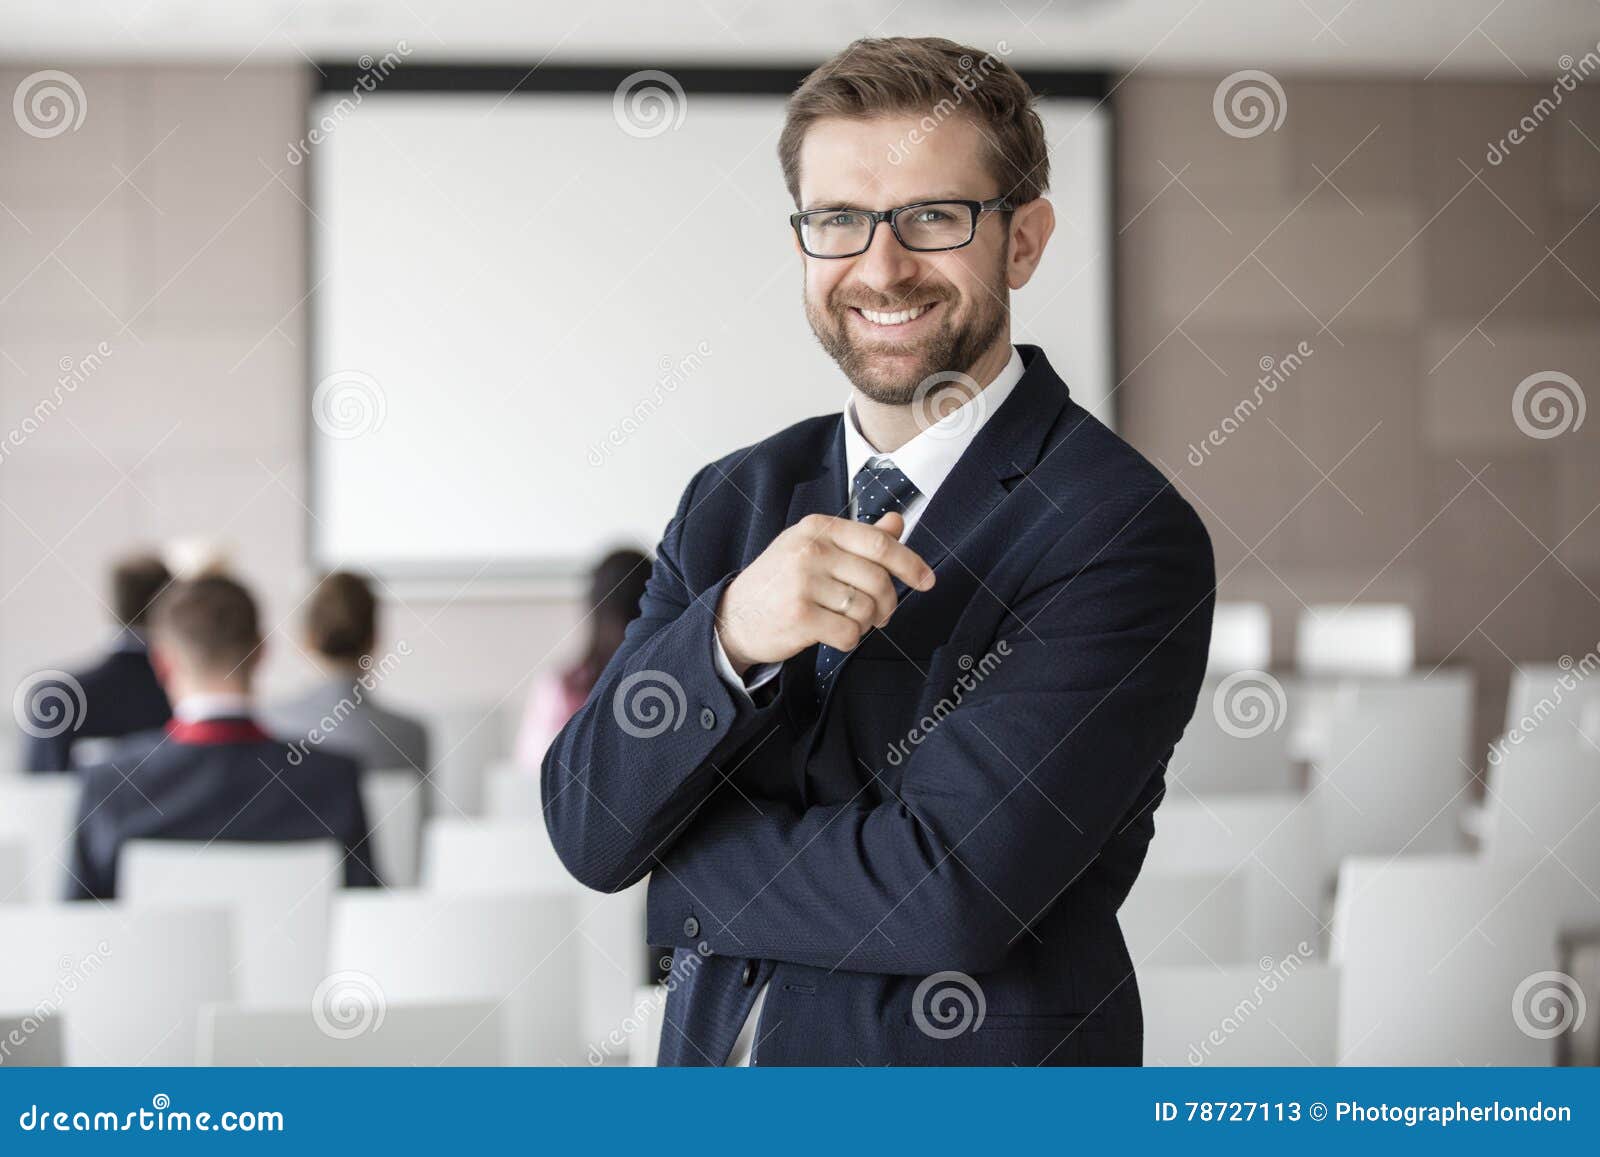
(486, 856)
(1450, 960)
(38, 811)
(1548, 697)
(1358, 639)
(393, 801)
(446, 1033)
(1542, 798)
(31, 1041)
(511, 793)
(1285, 1014)
(280, 896)
(1237, 739)
(1395, 777)
(1241, 638)
(1272, 841)
(1186, 918)
(464, 742)
(128, 982)
(519, 949)
(13, 870)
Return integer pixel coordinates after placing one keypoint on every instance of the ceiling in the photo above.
(1512, 38)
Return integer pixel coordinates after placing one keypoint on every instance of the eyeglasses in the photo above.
(926, 227)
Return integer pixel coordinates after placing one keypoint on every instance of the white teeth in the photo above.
(898, 318)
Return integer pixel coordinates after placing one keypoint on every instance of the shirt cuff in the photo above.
(758, 676)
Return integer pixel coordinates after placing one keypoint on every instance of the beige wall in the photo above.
(1428, 283)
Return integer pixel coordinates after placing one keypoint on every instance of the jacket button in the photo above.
(748, 977)
(691, 927)
(708, 718)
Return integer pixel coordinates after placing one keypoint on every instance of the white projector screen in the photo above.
(531, 327)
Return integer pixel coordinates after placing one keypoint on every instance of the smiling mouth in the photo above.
(890, 318)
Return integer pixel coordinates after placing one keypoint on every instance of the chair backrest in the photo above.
(1186, 918)
(1550, 697)
(30, 1041)
(1451, 959)
(280, 896)
(38, 812)
(394, 802)
(1241, 638)
(13, 870)
(1272, 840)
(1286, 1013)
(343, 1030)
(128, 982)
(1395, 775)
(464, 741)
(1358, 639)
(511, 793)
(487, 856)
(1543, 798)
(519, 948)
(1237, 739)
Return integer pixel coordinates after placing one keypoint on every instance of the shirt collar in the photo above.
(929, 457)
(211, 705)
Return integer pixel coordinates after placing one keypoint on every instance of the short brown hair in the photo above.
(211, 621)
(343, 617)
(135, 583)
(938, 78)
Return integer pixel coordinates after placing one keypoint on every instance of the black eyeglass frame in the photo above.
(875, 216)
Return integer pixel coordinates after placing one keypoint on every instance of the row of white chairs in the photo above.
(1330, 639)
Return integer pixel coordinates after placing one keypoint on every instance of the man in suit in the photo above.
(212, 773)
(117, 696)
(891, 788)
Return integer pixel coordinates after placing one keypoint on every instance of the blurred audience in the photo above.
(616, 587)
(340, 713)
(212, 773)
(117, 696)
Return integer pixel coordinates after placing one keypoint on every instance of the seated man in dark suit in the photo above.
(212, 773)
(117, 696)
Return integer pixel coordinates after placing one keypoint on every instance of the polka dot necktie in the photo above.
(879, 487)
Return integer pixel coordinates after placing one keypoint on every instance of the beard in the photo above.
(956, 344)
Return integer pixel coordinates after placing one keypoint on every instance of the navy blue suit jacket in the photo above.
(120, 697)
(155, 787)
(964, 814)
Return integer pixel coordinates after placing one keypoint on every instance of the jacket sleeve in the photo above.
(632, 764)
(1004, 802)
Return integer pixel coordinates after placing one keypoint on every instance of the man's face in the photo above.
(958, 299)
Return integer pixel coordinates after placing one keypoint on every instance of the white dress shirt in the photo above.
(927, 460)
(205, 705)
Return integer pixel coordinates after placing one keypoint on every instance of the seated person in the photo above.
(117, 696)
(340, 713)
(212, 773)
